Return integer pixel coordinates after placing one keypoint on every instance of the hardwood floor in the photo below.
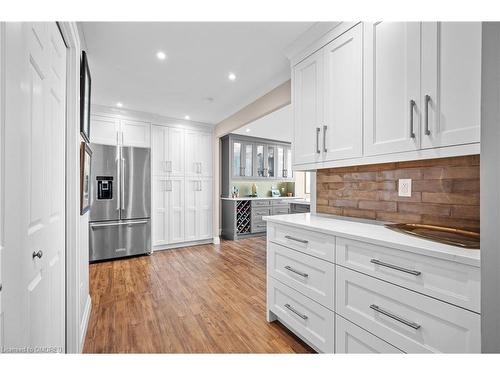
(200, 299)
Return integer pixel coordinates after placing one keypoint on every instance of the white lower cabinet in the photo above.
(350, 338)
(308, 319)
(368, 298)
(198, 219)
(411, 321)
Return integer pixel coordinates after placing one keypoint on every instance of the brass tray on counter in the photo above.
(450, 236)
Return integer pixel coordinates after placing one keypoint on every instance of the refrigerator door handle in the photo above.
(100, 225)
(122, 183)
(118, 200)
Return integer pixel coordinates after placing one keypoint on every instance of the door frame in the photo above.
(76, 326)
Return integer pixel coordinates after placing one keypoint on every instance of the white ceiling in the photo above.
(124, 67)
(277, 125)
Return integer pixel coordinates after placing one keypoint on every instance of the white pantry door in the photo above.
(34, 255)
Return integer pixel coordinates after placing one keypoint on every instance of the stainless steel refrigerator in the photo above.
(120, 209)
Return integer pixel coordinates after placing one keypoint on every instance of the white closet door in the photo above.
(135, 133)
(451, 83)
(204, 207)
(160, 211)
(190, 209)
(159, 147)
(308, 108)
(34, 257)
(176, 191)
(104, 130)
(343, 127)
(392, 85)
(175, 152)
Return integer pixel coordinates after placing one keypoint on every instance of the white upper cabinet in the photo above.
(392, 87)
(343, 126)
(308, 108)
(159, 150)
(104, 130)
(198, 154)
(451, 83)
(135, 133)
(167, 151)
(113, 131)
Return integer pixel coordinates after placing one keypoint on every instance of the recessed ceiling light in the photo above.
(231, 76)
(187, 117)
(161, 55)
(248, 130)
(119, 104)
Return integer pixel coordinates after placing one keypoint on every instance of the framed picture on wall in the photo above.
(85, 82)
(85, 162)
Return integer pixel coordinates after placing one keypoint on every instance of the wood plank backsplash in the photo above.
(444, 192)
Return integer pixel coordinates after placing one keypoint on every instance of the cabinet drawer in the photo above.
(260, 203)
(313, 322)
(309, 275)
(279, 202)
(349, 338)
(410, 321)
(313, 243)
(258, 226)
(282, 210)
(261, 211)
(449, 281)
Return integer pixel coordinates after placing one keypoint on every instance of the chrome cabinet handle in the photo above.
(303, 316)
(296, 239)
(412, 105)
(395, 317)
(297, 272)
(318, 151)
(169, 166)
(324, 138)
(426, 106)
(169, 185)
(406, 270)
(38, 254)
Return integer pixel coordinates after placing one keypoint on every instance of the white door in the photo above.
(392, 87)
(159, 150)
(135, 133)
(160, 211)
(343, 128)
(175, 219)
(175, 152)
(192, 147)
(34, 257)
(104, 130)
(451, 83)
(308, 108)
(190, 209)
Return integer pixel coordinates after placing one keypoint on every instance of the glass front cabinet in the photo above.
(242, 159)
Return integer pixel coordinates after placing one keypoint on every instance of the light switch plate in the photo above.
(404, 187)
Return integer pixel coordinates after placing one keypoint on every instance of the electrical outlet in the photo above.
(404, 188)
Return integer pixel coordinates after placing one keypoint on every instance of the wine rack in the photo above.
(243, 216)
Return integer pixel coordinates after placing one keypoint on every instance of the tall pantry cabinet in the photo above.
(182, 185)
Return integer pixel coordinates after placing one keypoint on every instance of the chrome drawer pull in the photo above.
(427, 100)
(395, 317)
(303, 316)
(296, 239)
(412, 130)
(297, 272)
(406, 270)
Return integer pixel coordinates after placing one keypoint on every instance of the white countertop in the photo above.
(256, 198)
(377, 234)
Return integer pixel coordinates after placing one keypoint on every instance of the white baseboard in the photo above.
(182, 244)
(85, 322)
(216, 240)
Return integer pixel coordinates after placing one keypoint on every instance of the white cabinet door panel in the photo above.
(451, 83)
(175, 193)
(160, 211)
(343, 127)
(135, 133)
(175, 152)
(392, 81)
(159, 147)
(104, 130)
(408, 320)
(308, 108)
(349, 338)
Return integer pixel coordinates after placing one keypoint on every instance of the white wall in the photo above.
(277, 125)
